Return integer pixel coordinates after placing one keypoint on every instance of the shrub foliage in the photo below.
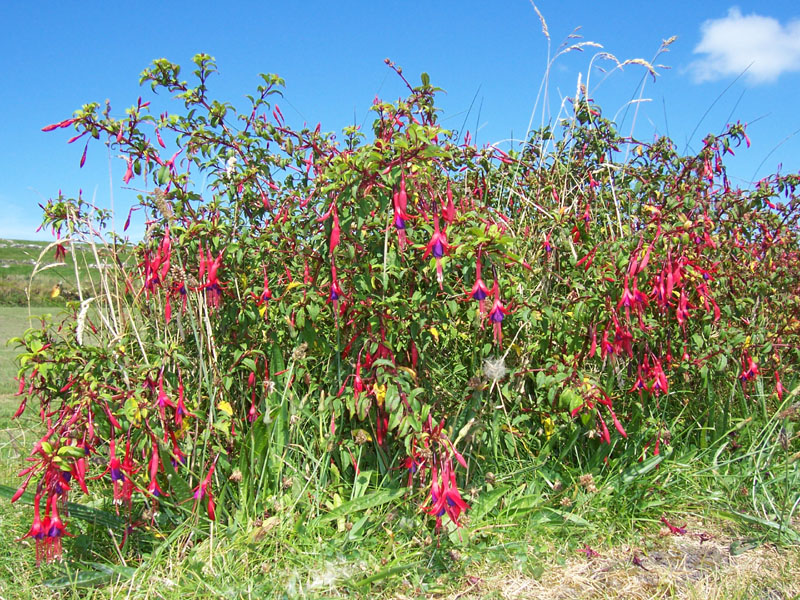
(399, 304)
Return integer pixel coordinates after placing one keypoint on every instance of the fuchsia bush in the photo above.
(358, 286)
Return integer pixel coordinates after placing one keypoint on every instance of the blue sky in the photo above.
(730, 62)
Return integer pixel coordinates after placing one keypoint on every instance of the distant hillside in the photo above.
(54, 282)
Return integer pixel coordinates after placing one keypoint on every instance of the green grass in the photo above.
(522, 538)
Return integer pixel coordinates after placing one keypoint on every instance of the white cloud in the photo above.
(733, 43)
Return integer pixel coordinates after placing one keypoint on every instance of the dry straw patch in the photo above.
(678, 567)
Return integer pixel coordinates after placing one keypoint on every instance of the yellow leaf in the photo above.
(380, 393)
(56, 291)
(435, 333)
(361, 435)
(549, 427)
(293, 285)
(225, 407)
(262, 309)
(410, 371)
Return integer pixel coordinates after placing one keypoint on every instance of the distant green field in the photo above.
(18, 258)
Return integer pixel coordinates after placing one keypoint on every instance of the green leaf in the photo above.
(363, 503)
(637, 470)
(385, 574)
(163, 175)
(486, 502)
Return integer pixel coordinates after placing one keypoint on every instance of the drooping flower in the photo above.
(180, 409)
(163, 399)
(674, 529)
(749, 368)
(115, 469)
(153, 468)
(682, 310)
(336, 292)
(496, 314)
(335, 229)
(548, 247)
(479, 290)
(209, 277)
(399, 203)
(632, 298)
(252, 414)
(54, 529)
(37, 531)
(445, 496)
(449, 209)
(438, 246)
(266, 293)
(204, 489)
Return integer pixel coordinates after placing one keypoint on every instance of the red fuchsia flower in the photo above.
(548, 247)
(778, 386)
(129, 171)
(358, 383)
(179, 287)
(632, 298)
(266, 294)
(589, 551)
(163, 399)
(479, 290)
(156, 264)
(659, 384)
(115, 469)
(209, 276)
(682, 310)
(336, 292)
(656, 447)
(335, 229)
(445, 496)
(749, 368)
(705, 296)
(129, 467)
(438, 246)
(674, 530)
(178, 456)
(204, 489)
(639, 385)
(252, 414)
(399, 203)
(60, 252)
(37, 531)
(78, 471)
(622, 340)
(496, 314)
(449, 209)
(181, 411)
(154, 468)
(121, 474)
(381, 424)
(54, 529)
(594, 396)
(685, 356)
(59, 125)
